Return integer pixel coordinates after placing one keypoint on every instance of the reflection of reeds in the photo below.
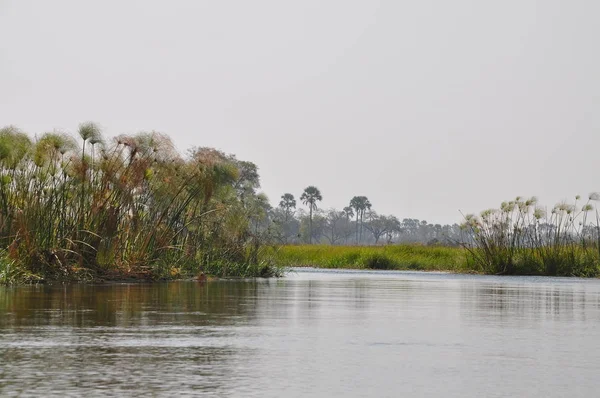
(523, 238)
(132, 207)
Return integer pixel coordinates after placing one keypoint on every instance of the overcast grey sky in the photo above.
(426, 107)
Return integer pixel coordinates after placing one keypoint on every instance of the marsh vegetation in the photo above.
(82, 208)
(519, 238)
(522, 237)
(388, 257)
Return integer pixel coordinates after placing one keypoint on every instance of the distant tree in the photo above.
(393, 228)
(349, 212)
(337, 226)
(410, 228)
(377, 225)
(248, 180)
(382, 226)
(258, 208)
(282, 231)
(312, 232)
(360, 204)
(310, 197)
(425, 230)
(288, 204)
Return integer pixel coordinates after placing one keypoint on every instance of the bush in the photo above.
(376, 261)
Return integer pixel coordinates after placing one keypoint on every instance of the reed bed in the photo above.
(82, 208)
(522, 237)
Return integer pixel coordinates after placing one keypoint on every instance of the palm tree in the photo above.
(360, 204)
(288, 205)
(349, 212)
(310, 197)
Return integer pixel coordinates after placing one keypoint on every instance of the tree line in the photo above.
(357, 224)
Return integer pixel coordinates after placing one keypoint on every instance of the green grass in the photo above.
(12, 272)
(575, 262)
(393, 257)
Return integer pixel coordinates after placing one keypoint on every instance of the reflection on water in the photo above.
(127, 338)
(309, 334)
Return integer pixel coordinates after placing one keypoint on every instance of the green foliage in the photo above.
(393, 257)
(522, 238)
(12, 272)
(130, 208)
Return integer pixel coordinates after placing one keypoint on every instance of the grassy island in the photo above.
(389, 257)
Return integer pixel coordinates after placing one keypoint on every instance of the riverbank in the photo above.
(14, 272)
(391, 257)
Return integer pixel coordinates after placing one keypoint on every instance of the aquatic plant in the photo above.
(523, 238)
(130, 207)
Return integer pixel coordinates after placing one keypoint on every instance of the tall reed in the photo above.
(523, 238)
(132, 207)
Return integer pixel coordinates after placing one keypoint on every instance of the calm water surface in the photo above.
(312, 333)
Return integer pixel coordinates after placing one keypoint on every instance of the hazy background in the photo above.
(426, 107)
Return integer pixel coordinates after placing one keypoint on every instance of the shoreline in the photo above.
(403, 257)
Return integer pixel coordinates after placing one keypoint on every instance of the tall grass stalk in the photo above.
(132, 207)
(523, 238)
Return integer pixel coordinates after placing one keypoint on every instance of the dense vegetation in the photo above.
(134, 207)
(82, 209)
(390, 257)
(519, 238)
(522, 237)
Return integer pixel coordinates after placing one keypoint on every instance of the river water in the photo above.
(310, 334)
